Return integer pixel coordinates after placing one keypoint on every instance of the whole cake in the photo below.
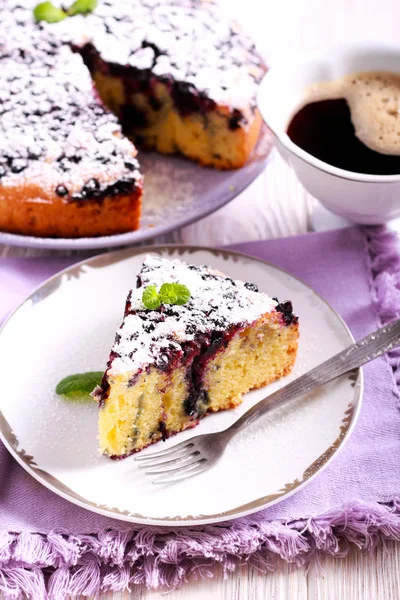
(172, 365)
(175, 75)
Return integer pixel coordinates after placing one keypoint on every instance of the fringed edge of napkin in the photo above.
(58, 565)
(383, 258)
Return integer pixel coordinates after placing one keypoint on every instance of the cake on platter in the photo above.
(192, 341)
(66, 170)
(174, 76)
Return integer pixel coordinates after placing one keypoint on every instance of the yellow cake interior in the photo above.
(203, 137)
(134, 416)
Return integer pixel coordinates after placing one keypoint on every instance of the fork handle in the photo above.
(373, 345)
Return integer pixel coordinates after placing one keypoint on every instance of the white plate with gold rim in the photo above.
(68, 325)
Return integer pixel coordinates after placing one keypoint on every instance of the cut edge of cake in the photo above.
(216, 137)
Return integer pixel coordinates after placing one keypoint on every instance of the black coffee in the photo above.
(324, 129)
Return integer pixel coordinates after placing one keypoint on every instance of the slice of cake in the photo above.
(181, 77)
(173, 364)
(65, 168)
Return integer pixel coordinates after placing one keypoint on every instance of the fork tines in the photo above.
(174, 464)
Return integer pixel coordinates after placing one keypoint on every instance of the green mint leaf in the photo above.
(82, 7)
(182, 292)
(79, 386)
(168, 294)
(150, 297)
(174, 293)
(46, 11)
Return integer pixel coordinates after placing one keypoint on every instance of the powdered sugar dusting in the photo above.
(217, 303)
(187, 40)
(56, 135)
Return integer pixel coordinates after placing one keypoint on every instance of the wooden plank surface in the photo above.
(276, 205)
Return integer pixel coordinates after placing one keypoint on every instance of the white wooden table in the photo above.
(276, 205)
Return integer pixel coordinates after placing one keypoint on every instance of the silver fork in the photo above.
(200, 453)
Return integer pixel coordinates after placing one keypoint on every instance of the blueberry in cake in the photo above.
(176, 75)
(171, 364)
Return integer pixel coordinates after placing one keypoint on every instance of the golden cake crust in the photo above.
(29, 210)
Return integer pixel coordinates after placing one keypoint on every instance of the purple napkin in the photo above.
(51, 548)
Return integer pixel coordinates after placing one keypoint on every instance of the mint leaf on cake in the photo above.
(46, 11)
(82, 7)
(170, 293)
(151, 298)
(174, 293)
(183, 294)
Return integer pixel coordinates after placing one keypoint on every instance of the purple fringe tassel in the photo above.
(384, 262)
(57, 565)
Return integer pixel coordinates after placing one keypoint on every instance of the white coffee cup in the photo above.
(367, 199)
